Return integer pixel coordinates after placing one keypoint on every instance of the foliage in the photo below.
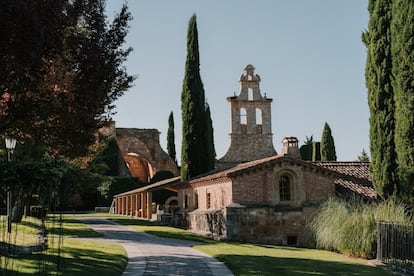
(116, 185)
(42, 178)
(107, 159)
(306, 149)
(171, 138)
(61, 71)
(350, 227)
(363, 157)
(378, 75)
(316, 151)
(402, 53)
(194, 145)
(328, 152)
(210, 150)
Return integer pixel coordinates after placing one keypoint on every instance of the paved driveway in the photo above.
(151, 255)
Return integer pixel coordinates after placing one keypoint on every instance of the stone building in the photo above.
(256, 195)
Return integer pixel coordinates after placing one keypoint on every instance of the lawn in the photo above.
(67, 254)
(257, 259)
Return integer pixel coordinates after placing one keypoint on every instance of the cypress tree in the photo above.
(193, 147)
(171, 138)
(211, 152)
(380, 97)
(306, 149)
(316, 151)
(402, 51)
(328, 152)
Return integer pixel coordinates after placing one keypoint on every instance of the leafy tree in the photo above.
(363, 157)
(62, 70)
(328, 152)
(171, 138)
(194, 144)
(378, 73)
(402, 52)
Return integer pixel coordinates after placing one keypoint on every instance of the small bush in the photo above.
(350, 226)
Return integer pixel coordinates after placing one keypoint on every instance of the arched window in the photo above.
(250, 94)
(284, 188)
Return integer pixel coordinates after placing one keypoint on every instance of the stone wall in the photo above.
(272, 225)
(209, 223)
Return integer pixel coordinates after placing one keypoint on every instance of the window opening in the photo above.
(250, 94)
(284, 188)
(208, 200)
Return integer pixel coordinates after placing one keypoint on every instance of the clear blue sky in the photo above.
(309, 55)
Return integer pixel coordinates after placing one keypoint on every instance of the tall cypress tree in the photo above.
(193, 147)
(402, 51)
(211, 152)
(171, 138)
(328, 152)
(380, 97)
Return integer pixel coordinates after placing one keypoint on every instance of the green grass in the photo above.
(77, 257)
(256, 259)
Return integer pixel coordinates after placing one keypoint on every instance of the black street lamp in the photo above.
(10, 145)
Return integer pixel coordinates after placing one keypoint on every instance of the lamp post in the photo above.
(10, 145)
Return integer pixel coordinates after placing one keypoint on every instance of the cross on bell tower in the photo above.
(251, 131)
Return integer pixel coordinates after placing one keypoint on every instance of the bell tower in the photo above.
(251, 131)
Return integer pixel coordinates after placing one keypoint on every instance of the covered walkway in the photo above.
(138, 203)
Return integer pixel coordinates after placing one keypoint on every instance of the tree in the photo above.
(171, 138)
(62, 71)
(194, 144)
(306, 149)
(363, 157)
(328, 152)
(211, 151)
(316, 151)
(402, 52)
(378, 72)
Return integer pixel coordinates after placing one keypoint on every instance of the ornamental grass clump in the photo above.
(350, 226)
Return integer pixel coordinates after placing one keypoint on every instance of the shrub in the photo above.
(350, 226)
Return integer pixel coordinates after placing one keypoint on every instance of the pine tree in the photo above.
(328, 152)
(363, 157)
(193, 147)
(380, 97)
(402, 52)
(171, 138)
(211, 152)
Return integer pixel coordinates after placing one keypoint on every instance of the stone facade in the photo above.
(251, 131)
(248, 202)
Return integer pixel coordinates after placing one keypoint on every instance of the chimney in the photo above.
(290, 147)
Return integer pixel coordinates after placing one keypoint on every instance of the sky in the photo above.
(308, 54)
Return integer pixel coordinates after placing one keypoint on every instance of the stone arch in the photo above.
(169, 206)
(139, 167)
(142, 152)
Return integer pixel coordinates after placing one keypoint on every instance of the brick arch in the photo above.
(139, 167)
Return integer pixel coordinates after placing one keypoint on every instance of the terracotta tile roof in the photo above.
(252, 165)
(353, 178)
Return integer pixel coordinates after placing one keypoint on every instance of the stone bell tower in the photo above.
(251, 131)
